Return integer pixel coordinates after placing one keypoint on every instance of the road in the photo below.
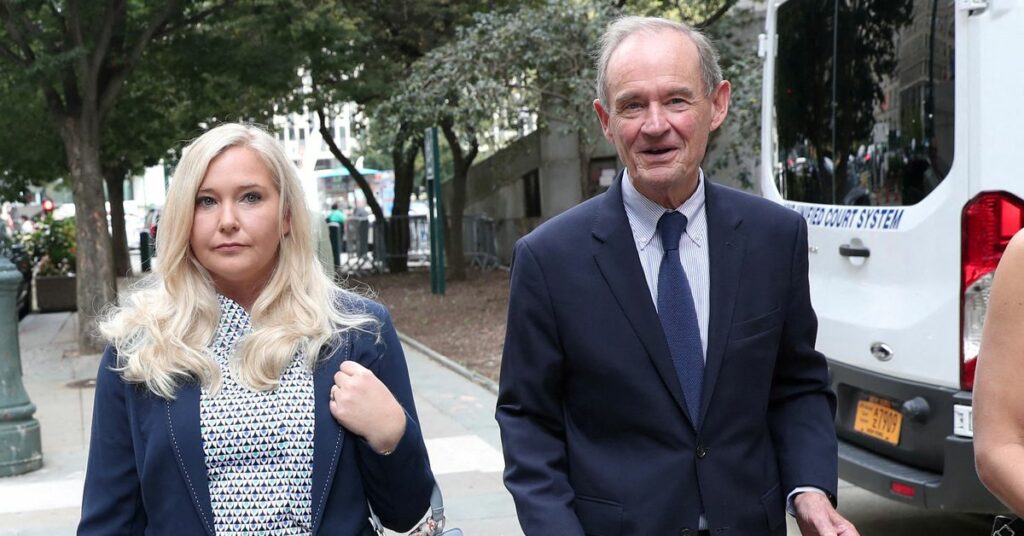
(877, 516)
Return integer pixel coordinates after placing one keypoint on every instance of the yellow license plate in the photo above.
(876, 419)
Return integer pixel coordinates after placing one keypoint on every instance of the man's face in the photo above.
(659, 116)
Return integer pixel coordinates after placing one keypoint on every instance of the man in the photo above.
(659, 374)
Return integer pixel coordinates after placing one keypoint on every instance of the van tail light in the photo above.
(989, 222)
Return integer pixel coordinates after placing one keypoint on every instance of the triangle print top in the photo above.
(258, 444)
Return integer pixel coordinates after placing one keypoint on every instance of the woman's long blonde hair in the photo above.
(161, 330)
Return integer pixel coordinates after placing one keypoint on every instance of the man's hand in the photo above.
(816, 517)
(364, 405)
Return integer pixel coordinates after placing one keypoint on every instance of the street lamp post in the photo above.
(20, 447)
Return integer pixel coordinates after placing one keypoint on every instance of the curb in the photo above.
(450, 364)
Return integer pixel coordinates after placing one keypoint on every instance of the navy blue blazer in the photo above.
(595, 430)
(147, 473)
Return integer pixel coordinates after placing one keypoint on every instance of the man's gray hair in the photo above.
(623, 27)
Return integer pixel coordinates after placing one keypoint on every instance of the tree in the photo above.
(79, 56)
(360, 52)
(183, 86)
(513, 68)
(509, 69)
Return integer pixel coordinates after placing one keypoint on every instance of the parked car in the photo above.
(20, 259)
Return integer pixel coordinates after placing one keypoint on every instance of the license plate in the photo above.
(877, 418)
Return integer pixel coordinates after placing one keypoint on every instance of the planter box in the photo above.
(56, 293)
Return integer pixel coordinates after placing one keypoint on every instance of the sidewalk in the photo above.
(457, 417)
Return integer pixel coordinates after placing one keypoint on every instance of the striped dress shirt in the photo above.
(643, 215)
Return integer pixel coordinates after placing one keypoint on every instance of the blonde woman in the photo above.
(242, 391)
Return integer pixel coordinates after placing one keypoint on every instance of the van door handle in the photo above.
(847, 250)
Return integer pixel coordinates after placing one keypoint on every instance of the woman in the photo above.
(243, 392)
(999, 384)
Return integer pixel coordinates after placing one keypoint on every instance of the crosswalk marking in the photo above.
(460, 454)
(35, 496)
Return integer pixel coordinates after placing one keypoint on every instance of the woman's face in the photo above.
(235, 230)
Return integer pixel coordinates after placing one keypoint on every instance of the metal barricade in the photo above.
(368, 245)
(357, 256)
(479, 244)
(413, 231)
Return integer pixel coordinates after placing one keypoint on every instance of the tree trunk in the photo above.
(114, 177)
(94, 259)
(453, 226)
(403, 157)
(364, 185)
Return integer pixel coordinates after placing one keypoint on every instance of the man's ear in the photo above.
(603, 116)
(720, 104)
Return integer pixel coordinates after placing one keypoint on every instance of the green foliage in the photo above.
(514, 70)
(700, 13)
(362, 52)
(31, 152)
(52, 247)
(507, 70)
(734, 36)
(232, 68)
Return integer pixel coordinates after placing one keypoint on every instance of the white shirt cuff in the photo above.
(797, 491)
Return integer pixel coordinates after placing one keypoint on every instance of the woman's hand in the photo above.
(363, 404)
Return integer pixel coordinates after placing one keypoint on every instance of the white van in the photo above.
(902, 155)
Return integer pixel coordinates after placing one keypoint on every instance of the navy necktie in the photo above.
(679, 315)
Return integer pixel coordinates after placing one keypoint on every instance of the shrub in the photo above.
(52, 247)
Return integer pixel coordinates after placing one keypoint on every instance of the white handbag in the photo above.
(433, 526)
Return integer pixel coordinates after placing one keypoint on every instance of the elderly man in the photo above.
(659, 374)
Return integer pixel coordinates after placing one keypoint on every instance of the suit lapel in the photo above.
(617, 259)
(328, 435)
(187, 442)
(726, 246)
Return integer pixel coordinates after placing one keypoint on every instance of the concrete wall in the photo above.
(496, 189)
(496, 184)
(560, 181)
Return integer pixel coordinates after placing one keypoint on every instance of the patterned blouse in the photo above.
(258, 444)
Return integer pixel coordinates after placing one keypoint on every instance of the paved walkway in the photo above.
(456, 414)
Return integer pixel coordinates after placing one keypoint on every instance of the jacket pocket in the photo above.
(774, 507)
(599, 517)
(756, 326)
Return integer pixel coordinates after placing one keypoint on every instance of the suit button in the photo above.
(701, 452)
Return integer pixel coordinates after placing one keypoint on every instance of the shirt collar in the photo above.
(644, 214)
(234, 322)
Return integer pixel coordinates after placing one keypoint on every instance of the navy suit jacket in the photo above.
(147, 472)
(595, 430)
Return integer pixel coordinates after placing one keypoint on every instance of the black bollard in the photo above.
(145, 253)
(335, 236)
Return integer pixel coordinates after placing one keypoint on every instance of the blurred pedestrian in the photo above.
(999, 384)
(27, 225)
(7, 219)
(243, 391)
(336, 227)
(360, 212)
